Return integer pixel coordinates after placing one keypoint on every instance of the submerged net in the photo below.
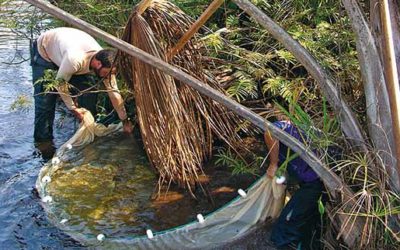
(91, 173)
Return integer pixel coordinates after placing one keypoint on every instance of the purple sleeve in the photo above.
(297, 167)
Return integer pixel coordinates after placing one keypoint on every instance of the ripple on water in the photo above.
(23, 223)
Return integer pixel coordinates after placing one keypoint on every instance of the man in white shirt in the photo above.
(77, 57)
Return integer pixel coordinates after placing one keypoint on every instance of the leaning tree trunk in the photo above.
(376, 95)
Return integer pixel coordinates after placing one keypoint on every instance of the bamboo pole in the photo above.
(332, 181)
(195, 27)
(391, 75)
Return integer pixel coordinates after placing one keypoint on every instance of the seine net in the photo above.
(96, 196)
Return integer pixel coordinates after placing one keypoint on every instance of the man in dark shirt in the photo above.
(300, 216)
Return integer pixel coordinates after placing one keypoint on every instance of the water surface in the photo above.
(23, 222)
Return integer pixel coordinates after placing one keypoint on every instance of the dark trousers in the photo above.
(45, 103)
(299, 219)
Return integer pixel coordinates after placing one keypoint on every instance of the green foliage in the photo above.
(110, 16)
(286, 56)
(322, 132)
(321, 207)
(290, 90)
(378, 203)
(317, 25)
(238, 166)
(21, 103)
(244, 88)
(290, 156)
(213, 41)
(192, 8)
(50, 81)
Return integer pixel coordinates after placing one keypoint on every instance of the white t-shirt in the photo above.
(71, 50)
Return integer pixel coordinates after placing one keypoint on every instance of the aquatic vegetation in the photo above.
(21, 103)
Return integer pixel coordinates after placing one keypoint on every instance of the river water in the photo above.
(22, 219)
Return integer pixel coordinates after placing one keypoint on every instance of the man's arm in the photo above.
(273, 147)
(64, 74)
(66, 96)
(117, 102)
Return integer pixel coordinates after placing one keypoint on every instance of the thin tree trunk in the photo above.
(376, 95)
(375, 26)
(391, 73)
(377, 29)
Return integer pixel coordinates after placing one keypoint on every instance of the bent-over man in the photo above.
(77, 57)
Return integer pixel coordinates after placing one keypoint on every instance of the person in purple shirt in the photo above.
(298, 220)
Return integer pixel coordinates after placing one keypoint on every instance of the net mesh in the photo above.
(264, 199)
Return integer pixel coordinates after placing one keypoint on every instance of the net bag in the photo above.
(264, 199)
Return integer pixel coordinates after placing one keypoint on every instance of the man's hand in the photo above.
(127, 126)
(79, 113)
(271, 170)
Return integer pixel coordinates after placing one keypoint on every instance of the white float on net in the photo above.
(69, 146)
(242, 192)
(47, 199)
(63, 221)
(200, 218)
(280, 180)
(149, 234)
(101, 237)
(46, 179)
(55, 160)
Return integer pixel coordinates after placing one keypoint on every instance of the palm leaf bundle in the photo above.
(177, 123)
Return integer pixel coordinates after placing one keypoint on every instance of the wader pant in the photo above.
(299, 219)
(45, 103)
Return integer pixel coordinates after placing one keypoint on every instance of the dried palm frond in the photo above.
(177, 123)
